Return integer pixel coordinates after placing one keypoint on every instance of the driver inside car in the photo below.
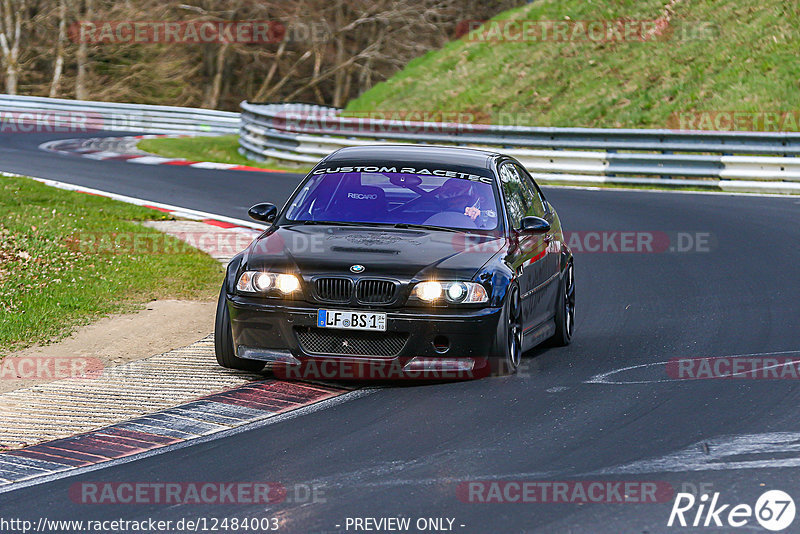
(459, 195)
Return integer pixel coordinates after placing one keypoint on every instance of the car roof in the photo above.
(416, 154)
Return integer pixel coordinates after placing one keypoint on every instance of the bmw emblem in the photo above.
(357, 269)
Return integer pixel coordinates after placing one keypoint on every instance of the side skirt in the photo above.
(538, 334)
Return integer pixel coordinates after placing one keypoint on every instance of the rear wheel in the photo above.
(223, 341)
(565, 308)
(507, 353)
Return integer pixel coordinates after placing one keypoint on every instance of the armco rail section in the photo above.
(30, 113)
(733, 161)
(302, 134)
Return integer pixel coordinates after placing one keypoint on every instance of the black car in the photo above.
(417, 259)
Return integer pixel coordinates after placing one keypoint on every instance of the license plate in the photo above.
(351, 320)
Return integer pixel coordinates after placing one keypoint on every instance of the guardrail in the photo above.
(743, 161)
(30, 113)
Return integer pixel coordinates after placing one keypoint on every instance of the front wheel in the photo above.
(507, 353)
(565, 308)
(223, 341)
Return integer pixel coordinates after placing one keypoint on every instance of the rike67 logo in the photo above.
(774, 510)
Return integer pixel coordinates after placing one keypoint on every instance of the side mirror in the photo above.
(264, 212)
(534, 225)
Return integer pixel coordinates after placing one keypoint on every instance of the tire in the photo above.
(565, 309)
(223, 341)
(507, 353)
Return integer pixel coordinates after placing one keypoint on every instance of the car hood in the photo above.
(392, 252)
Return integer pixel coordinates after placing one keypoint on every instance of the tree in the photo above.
(330, 51)
(58, 67)
(11, 15)
(82, 57)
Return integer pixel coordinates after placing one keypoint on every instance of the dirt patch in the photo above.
(162, 326)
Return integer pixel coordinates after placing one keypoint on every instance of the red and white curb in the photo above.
(124, 149)
(211, 415)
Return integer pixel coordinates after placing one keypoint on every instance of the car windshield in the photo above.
(397, 198)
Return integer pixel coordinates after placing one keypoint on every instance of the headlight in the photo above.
(266, 283)
(287, 283)
(428, 291)
(262, 282)
(450, 292)
(457, 292)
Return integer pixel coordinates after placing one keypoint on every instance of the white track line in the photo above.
(746, 451)
(602, 378)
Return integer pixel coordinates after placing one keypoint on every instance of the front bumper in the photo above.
(279, 331)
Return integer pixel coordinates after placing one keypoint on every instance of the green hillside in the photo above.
(712, 56)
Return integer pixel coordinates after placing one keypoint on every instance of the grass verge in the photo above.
(51, 280)
(722, 55)
(219, 149)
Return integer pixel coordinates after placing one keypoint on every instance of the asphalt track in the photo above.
(402, 450)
